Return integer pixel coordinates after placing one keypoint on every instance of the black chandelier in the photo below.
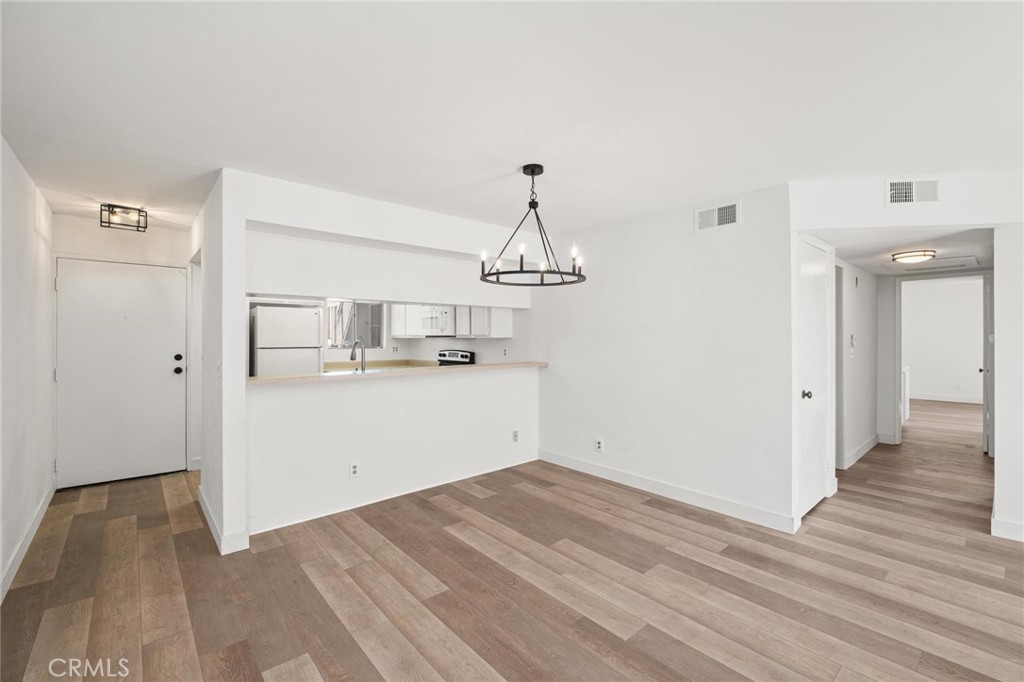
(549, 272)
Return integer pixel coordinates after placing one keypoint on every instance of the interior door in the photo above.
(121, 343)
(813, 358)
(988, 385)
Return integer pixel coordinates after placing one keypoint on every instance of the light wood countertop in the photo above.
(387, 372)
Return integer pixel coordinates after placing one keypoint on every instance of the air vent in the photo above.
(912, 191)
(717, 216)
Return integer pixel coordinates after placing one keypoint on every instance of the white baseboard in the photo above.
(887, 438)
(195, 464)
(833, 487)
(1011, 530)
(948, 398)
(850, 458)
(762, 517)
(11, 569)
(226, 544)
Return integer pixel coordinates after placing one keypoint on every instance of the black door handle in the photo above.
(806, 394)
(981, 369)
(178, 370)
(177, 356)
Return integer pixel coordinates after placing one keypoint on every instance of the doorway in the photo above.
(120, 370)
(946, 351)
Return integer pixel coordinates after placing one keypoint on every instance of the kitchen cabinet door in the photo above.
(462, 321)
(501, 323)
(480, 321)
(398, 325)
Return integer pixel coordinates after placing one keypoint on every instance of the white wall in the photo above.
(677, 352)
(407, 433)
(28, 341)
(971, 199)
(942, 337)
(220, 497)
(1008, 281)
(238, 200)
(888, 350)
(859, 364)
(298, 266)
(75, 236)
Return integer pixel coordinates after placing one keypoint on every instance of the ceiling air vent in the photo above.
(912, 191)
(717, 216)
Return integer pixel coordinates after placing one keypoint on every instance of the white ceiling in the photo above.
(633, 108)
(872, 248)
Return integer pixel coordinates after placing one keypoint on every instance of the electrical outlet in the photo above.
(599, 445)
(353, 469)
(515, 436)
(504, 351)
(394, 349)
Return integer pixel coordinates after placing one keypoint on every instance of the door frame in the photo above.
(897, 352)
(829, 463)
(189, 368)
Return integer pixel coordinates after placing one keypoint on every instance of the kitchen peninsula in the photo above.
(351, 402)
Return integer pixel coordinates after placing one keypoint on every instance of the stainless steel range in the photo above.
(456, 357)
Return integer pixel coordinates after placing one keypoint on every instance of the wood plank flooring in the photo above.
(541, 573)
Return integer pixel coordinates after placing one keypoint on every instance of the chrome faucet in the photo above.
(362, 354)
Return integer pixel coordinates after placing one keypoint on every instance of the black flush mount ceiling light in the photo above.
(123, 217)
(909, 257)
(548, 272)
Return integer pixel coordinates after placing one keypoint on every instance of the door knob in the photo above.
(806, 394)
(178, 370)
(177, 356)
(981, 369)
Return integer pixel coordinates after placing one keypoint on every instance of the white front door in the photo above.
(121, 341)
(812, 371)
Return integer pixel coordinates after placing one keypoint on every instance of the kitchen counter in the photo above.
(390, 371)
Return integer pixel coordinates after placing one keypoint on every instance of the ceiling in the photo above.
(872, 248)
(633, 108)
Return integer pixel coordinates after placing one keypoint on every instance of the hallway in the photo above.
(939, 476)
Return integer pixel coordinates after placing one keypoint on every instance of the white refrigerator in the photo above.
(286, 341)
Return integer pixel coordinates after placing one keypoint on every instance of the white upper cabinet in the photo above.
(398, 324)
(500, 323)
(480, 321)
(463, 321)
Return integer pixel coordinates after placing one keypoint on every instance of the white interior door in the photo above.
(988, 385)
(812, 370)
(121, 339)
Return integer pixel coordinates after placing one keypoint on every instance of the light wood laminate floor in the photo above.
(541, 573)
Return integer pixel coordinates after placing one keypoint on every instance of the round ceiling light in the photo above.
(908, 257)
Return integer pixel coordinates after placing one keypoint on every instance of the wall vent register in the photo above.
(912, 191)
(717, 216)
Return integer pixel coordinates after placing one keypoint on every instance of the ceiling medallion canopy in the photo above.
(918, 256)
(548, 273)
